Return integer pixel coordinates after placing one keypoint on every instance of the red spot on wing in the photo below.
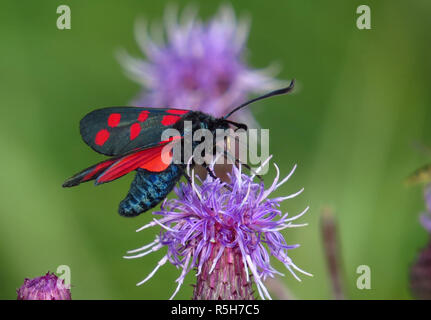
(143, 116)
(114, 119)
(169, 120)
(176, 111)
(101, 137)
(135, 129)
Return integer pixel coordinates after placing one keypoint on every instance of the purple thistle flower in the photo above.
(420, 274)
(227, 231)
(198, 66)
(426, 217)
(47, 287)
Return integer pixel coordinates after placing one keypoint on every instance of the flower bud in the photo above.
(47, 287)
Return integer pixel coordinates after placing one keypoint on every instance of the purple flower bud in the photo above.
(226, 232)
(420, 275)
(426, 217)
(47, 287)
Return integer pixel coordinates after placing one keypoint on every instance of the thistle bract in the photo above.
(47, 287)
(420, 274)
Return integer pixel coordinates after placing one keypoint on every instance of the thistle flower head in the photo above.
(47, 287)
(426, 217)
(214, 225)
(197, 65)
(420, 273)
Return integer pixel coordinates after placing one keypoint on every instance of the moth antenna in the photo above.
(270, 94)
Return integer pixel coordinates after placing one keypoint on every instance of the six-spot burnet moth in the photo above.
(132, 136)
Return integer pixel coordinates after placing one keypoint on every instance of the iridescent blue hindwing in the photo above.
(148, 189)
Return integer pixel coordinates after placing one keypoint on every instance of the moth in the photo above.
(132, 138)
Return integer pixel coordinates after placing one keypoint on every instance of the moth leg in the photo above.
(209, 170)
(252, 171)
(212, 175)
(237, 161)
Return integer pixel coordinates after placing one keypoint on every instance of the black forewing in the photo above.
(116, 131)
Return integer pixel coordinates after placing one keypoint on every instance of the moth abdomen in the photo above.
(148, 189)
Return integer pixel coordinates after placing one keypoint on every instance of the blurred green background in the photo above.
(363, 98)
